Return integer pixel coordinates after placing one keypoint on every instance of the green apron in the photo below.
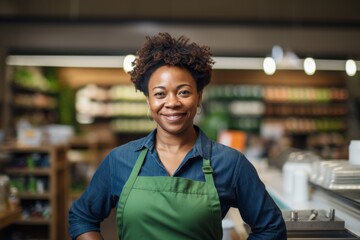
(165, 207)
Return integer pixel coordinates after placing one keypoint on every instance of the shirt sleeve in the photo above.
(256, 206)
(95, 204)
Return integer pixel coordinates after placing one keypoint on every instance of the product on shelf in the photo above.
(39, 187)
(294, 110)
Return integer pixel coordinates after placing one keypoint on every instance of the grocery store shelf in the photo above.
(9, 217)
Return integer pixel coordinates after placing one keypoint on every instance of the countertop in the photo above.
(272, 178)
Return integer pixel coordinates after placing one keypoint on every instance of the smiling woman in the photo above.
(175, 183)
(173, 99)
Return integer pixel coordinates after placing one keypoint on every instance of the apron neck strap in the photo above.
(206, 168)
(208, 172)
(135, 172)
(139, 162)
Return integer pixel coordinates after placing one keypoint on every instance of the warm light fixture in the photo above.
(236, 63)
(309, 66)
(65, 61)
(269, 66)
(350, 67)
(127, 65)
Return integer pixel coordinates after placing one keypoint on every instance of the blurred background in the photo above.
(286, 77)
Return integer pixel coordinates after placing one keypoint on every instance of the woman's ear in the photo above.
(200, 97)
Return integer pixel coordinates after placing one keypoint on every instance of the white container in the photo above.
(29, 136)
(289, 170)
(354, 152)
(58, 134)
(300, 187)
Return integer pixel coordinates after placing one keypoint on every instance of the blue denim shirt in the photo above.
(236, 181)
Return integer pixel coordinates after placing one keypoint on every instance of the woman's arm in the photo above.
(256, 206)
(90, 236)
(95, 204)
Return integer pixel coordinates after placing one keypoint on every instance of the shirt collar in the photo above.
(202, 145)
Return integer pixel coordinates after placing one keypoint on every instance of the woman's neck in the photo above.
(175, 143)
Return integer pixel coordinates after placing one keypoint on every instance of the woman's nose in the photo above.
(173, 101)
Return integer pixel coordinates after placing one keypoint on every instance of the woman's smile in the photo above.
(174, 116)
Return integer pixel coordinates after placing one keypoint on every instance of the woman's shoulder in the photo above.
(131, 145)
(226, 150)
(127, 150)
(228, 157)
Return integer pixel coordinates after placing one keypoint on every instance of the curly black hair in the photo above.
(163, 49)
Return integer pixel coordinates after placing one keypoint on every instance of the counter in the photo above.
(272, 179)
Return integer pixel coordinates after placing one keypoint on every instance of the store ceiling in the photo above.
(330, 12)
(231, 27)
(321, 28)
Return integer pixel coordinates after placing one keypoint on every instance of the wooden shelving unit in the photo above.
(53, 224)
(10, 216)
(306, 108)
(84, 155)
(119, 105)
(28, 95)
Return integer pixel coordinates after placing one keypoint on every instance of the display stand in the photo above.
(52, 172)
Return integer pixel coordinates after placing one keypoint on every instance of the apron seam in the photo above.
(164, 191)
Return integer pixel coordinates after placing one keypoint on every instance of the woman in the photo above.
(174, 183)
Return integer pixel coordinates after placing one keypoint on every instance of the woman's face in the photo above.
(173, 99)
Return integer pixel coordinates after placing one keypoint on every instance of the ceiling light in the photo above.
(65, 61)
(350, 67)
(269, 66)
(288, 62)
(127, 65)
(309, 66)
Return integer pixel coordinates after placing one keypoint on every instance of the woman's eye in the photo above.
(184, 92)
(159, 94)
